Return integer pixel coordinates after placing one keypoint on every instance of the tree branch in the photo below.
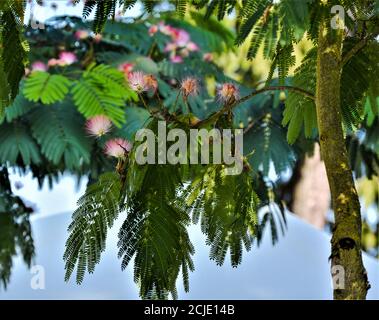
(213, 118)
(275, 88)
(253, 123)
(358, 47)
(354, 50)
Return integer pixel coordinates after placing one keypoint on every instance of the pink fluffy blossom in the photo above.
(184, 53)
(98, 125)
(176, 59)
(228, 92)
(81, 34)
(137, 81)
(165, 29)
(117, 148)
(54, 62)
(153, 30)
(181, 37)
(171, 46)
(189, 86)
(151, 82)
(97, 38)
(180, 45)
(192, 46)
(67, 57)
(126, 67)
(39, 66)
(140, 82)
(208, 56)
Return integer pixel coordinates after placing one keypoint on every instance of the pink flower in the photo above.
(98, 125)
(140, 82)
(67, 58)
(117, 148)
(126, 67)
(167, 30)
(39, 66)
(137, 81)
(151, 82)
(228, 92)
(181, 37)
(184, 52)
(171, 46)
(81, 34)
(208, 57)
(97, 38)
(192, 46)
(153, 30)
(176, 59)
(189, 86)
(54, 62)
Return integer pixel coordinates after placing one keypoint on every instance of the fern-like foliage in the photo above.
(18, 108)
(102, 90)
(105, 9)
(268, 136)
(158, 200)
(64, 137)
(15, 229)
(252, 13)
(300, 111)
(227, 208)
(218, 7)
(272, 208)
(363, 159)
(276, 26)
(45, 87)
(97, 211)
(13, 51)
(181, 7)
(155, 233)
(17, 141)
(355, 81)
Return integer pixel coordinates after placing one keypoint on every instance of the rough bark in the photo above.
(346, 239)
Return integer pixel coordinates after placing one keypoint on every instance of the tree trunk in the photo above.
(346, 256)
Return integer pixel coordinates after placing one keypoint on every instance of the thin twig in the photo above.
(217, 114)
(358, 47)
(143, 102)
(253, 123)
(176, 100)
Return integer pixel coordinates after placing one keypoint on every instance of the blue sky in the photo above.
(63, 8)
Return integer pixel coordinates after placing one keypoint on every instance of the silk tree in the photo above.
(339, 71)
(325, 100)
